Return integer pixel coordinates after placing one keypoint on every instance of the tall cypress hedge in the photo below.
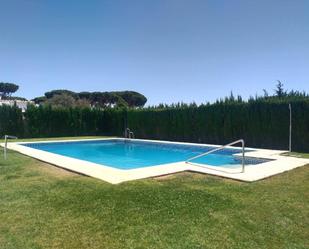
(263, 124)
(47, 122)
(11, 121)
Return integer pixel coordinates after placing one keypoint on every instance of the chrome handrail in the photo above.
(6, 137)
(222, 147)
(129, 134)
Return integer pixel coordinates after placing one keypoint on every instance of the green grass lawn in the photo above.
(42, 206)
(296, 154)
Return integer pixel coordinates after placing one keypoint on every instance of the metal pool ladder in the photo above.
(221, 148)
(6, 137)
(129, 134)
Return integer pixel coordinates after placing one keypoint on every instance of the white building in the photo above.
(22, 104)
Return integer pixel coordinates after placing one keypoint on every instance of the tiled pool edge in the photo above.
(115, 176)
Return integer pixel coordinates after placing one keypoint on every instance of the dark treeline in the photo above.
(45, 121)
(68, 98)
(263, 124)
(262, 121)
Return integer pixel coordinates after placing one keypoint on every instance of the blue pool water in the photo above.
(130, 154)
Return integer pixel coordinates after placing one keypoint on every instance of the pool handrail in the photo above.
(221, 148)
(6, 137)
(129, 134)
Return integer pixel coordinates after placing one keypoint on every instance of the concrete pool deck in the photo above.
(112, 175)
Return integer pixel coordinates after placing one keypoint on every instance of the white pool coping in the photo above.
(112, 175)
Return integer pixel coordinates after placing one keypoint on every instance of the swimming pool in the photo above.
(132, 154)
(117, 160)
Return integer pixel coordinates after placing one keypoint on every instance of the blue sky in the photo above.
(169, 50)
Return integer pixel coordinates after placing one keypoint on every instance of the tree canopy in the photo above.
(59, 92)
(6, 89)
(279, 91)
(61, 100)
(133, 99)
(97, 99)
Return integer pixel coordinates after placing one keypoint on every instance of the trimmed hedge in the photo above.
(263, 124)
(11, 121)
(48, 122)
